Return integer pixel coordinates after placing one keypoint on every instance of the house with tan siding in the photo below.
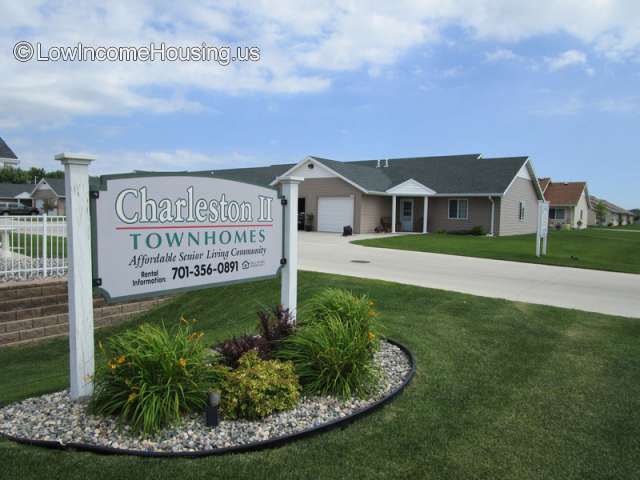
(421, 194)
(569, 203)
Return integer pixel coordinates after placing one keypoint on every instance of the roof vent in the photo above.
(378, 165)
(310, 166)
(386, 163)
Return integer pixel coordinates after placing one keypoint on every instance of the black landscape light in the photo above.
(212, 409)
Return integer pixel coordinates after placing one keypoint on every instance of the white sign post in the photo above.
(76, 174)
(289, 288)
(543, 228)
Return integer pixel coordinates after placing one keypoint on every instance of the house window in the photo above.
(458, 209)
(406, 209)
(521, 211)
(556, 213)
(581, 214)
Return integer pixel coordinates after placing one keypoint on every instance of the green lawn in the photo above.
(503, 390)
(598, 248)
(31, 245)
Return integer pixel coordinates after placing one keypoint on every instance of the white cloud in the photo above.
(302, 47)
(501, 54)
(108, 161)
(566, 59)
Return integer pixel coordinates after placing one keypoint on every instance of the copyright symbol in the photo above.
(23, 51)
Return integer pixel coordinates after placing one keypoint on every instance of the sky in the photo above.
(558, 81)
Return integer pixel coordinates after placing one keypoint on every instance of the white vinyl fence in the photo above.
(32, 247)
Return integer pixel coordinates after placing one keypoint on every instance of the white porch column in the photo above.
(424, 214)
(81, 355)
(289, 274)
(393, 214)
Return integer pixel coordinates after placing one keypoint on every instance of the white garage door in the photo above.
(334, 213)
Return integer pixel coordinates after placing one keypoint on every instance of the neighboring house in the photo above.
(7, 157)
(568, 202)
(16, 192)
(612, 215)
(636, 215)
(51, 191)
(424, 194)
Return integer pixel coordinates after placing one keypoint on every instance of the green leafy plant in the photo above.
(332, 351)
(153, 375)
(258, 388)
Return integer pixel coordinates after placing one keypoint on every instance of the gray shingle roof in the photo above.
(453, 174)
(11, 190)
(5, 151)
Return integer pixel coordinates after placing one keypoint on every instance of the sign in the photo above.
(154, 234)
(542, 231)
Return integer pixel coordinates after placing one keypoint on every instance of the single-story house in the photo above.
(16, 193)
(611, 214)
(7, 157)
(51, 191)
(636, 215)
(423, 194)
(568, 203)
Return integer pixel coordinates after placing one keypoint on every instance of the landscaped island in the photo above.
(154, 384)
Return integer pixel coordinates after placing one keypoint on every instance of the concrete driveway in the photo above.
(591, 290)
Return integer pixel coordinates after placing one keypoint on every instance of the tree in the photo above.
(601, 212)
(33, 174)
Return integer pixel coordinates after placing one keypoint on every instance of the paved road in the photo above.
(591, 290)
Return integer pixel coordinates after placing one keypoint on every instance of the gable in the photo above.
(411, 187)
(312, 169)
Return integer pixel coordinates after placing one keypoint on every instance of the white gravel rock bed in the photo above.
(56, 418)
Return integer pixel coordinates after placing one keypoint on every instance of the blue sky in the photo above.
(558, 82)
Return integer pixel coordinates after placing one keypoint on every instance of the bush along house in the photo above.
(568, 203)
(454, 193)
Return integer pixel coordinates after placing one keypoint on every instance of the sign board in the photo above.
(154, 234)
(542, 231)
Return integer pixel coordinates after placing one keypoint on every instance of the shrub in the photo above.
(274, 326)
(153, 375)
(478, 230)
(234, 348)
(258, 388)
(332, 351)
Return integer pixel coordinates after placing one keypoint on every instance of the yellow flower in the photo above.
(372, 313)
(121, 359)
(132, 396)
(182, 362)
(112, 365)
(371, 336)
(370, 303)
(194, 321)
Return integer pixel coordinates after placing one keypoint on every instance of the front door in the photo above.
(406, 215)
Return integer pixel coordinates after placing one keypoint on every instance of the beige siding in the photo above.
(479, 214)
(48, 194)
(510, 224)
(582, 206)
(373, 208)
(313, 188)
